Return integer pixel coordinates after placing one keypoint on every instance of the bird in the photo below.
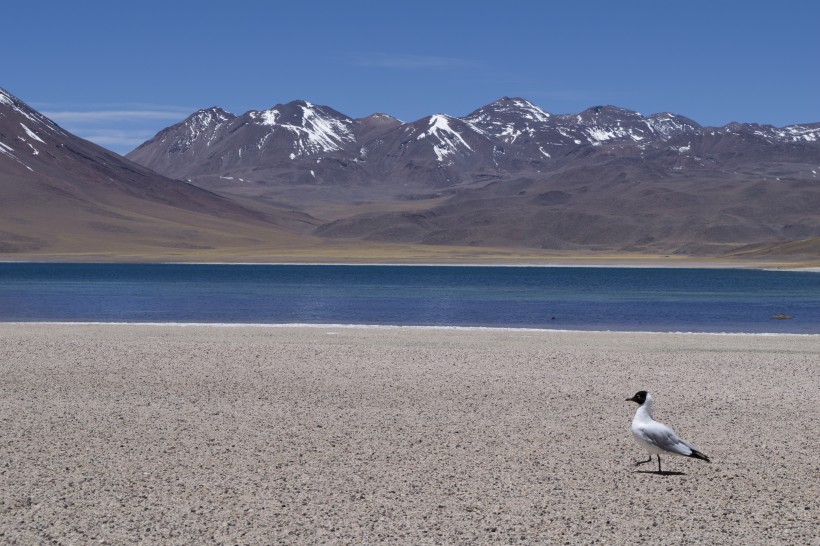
(657, 438)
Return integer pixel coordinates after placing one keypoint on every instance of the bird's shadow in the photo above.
(662, 473)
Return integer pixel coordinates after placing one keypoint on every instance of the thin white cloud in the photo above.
(412, 62)
(76, 116)
(120, 139)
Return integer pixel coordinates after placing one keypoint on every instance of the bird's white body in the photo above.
(655, 437)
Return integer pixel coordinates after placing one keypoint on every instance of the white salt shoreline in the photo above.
(399, 327)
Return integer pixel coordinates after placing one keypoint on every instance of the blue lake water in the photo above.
(622, 299)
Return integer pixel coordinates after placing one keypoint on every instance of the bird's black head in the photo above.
(639, 398)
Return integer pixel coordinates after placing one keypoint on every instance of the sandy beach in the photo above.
(193, 434)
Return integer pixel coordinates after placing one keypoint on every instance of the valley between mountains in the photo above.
(507, 182)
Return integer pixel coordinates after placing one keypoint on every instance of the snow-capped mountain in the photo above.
(510, 173)
(219, 143)
(312, 129)
(668, 125)
(435, 151)
(33, 144)
(203, 127)
(60, 193)
(25, 134)
(508, 119)
(445, 136)
(306, 143)
(522, 131)
(506, 175)
(302, 144)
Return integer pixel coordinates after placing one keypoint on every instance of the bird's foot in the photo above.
(649, 460)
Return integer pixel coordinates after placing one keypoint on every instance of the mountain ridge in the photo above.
(507, 176)
(606, 178)
(500, 138)
(60, 193)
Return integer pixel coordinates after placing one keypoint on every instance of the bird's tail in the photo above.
(698, 455)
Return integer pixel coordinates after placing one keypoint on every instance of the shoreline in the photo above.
(629, 262)
(261, 325)
(569, 263)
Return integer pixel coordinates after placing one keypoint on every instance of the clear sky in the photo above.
(116, 72)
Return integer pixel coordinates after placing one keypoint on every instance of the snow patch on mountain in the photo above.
(448, 141)
(529, 111)
(668, 125)
(31, 133)
(516, 108)
(797, 133)
(603, 134)
(202, 125)
(315, 133)
(325, 133)
(22, 109)
(269, 117)
(207, 121)
(5, 98)
(508, 119)
(510, 134)
(7, 150)
(513, 128)
(383, 117)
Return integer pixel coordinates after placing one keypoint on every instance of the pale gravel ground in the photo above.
(188, 435)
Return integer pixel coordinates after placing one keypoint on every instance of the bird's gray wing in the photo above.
(664, 438)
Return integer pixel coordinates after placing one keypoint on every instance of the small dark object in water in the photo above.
(781, 316)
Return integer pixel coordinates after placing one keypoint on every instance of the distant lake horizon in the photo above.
(586, 298)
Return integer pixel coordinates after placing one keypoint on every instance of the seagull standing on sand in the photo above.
(656, 437)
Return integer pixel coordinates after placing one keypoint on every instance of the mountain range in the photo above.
(509, 175)
(62, 195)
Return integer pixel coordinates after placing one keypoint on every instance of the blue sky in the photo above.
(117, 72)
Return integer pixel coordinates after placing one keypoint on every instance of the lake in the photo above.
(571, 298)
